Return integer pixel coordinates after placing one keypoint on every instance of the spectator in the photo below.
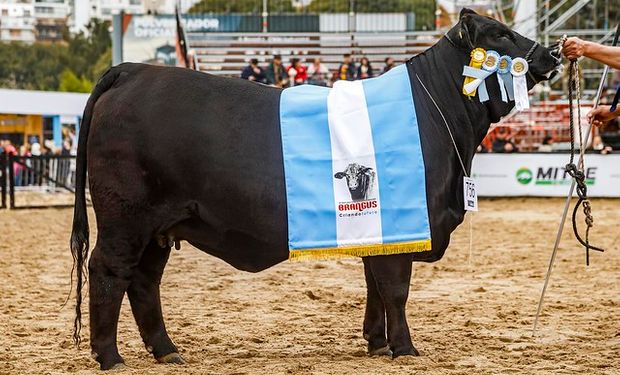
(8, 148)
(365, 69)
(318, 73)
(74, 141)
(547, 144)
(389, 64)
(66, 147)
(253, 72)
(297, 72)
(35, 149)
(346, 71)
(503, 142)
(275, 73)
(600, 147)
(48, 147)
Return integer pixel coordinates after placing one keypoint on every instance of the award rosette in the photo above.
(504, 78)
(489, 66)
(474, 71)
(519, 70)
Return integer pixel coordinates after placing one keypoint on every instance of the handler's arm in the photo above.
(575, 48)
(601, 115)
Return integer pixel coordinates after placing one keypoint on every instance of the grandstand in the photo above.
(228, 53)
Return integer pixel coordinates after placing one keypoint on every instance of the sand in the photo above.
(470, 313)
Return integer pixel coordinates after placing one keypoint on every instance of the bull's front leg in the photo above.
(392, 274)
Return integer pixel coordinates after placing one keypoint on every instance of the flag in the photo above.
(354, 169)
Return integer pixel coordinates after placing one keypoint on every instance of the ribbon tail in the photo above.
(483, 94)
(522, 100)
(507, 78)
(502, 88)
(473, 85)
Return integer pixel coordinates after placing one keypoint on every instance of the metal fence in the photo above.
(29, 175)
(3, 180)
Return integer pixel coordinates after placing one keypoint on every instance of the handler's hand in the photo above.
(601, 115)
(574, 48)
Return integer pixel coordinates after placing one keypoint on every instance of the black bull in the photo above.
(175, 154)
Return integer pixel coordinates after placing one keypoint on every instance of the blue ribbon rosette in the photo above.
(504, 78)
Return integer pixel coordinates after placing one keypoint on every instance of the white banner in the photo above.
(543, 175)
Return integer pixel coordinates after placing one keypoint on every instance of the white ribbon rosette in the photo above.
(519, 70)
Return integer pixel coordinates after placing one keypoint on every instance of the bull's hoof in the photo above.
(380, 351)
(119, 367)
(172, 358)
(405, 351)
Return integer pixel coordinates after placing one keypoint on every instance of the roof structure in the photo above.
(46, 103)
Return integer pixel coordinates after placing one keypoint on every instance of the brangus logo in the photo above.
(359, 179)
(358, 206)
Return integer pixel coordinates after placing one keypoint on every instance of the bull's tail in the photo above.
(79, 233)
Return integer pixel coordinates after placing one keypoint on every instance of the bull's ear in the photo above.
(468, 28)
(465, 11)
(339, 175)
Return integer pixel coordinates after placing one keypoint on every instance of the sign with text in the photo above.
(543, 175)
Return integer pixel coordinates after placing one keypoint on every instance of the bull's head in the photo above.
(359, 180)
(474, 30)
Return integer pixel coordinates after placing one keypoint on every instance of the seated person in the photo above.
(503, 142)
(547, 144)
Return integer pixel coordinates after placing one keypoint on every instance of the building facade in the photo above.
(51, 18)
(45, 20)
(17, 21)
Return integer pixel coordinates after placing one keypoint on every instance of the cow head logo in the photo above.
(360, 180)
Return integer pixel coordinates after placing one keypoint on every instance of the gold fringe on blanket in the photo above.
(360, 250)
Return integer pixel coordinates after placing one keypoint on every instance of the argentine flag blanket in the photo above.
(354, 170)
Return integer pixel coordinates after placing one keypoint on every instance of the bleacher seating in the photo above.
(228, 53)
(530, 127)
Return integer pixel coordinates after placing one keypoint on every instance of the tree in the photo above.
(71, 83)
(71, 65)
(240, 6)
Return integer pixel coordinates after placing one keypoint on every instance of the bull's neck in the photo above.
(440, 68)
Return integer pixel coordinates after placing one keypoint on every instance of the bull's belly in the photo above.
(242, 250)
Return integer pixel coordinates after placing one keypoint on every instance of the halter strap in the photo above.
(531, 51)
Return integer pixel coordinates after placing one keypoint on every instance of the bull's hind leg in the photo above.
(392, 274)
(145, 302)
(374, 318)
(110, 272)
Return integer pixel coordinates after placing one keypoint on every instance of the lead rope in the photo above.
(577, 172)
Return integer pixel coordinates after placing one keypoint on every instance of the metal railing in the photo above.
(22, 175)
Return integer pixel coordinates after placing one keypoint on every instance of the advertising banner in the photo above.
(152, 39)
(543, 175)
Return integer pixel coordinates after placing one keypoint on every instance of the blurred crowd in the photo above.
(502, 141)
(29, 171)
(297, 73)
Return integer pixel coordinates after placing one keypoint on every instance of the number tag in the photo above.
(469, 194)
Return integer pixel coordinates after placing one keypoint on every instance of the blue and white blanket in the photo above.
(354, 170)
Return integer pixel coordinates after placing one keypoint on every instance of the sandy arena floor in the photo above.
(467, 314)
